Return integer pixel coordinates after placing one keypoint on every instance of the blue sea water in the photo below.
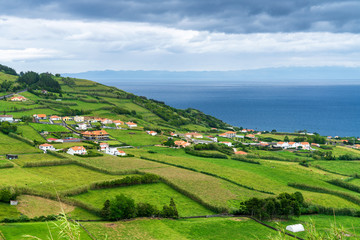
(328, 110)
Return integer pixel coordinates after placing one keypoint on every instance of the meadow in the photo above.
(14, 146)
(157, 194)
(41, 230)
(48, 127)
(30, 133)
(204, 228)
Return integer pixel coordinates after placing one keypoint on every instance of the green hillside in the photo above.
(157, 176)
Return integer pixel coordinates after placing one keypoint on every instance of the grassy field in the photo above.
(46, 111)
(210, 228)
(157, 194)
(274, 175)
(13, 146)
(48, 127)
(139, 138)
(41, 230)
(8, 211)
(323, 224)
(28, 132)
(221, 193)
(38, 157)
(33, 206)
(343, 167)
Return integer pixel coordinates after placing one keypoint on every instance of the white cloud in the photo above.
(73, 46)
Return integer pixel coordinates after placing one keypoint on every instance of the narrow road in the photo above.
(11, 94)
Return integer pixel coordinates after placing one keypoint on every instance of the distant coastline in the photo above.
(328, 109)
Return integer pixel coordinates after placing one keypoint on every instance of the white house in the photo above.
(40, 116)
(55, 140)
(81, 126)
(193, 135)
(152, 133)
(283, 145)
(45, 147)
(118, 122)
(79, 118)
(131, 124)
(114, 151)
(104, 146)
(106, 121)
(230, 134)
(6, 118)
(122, 153)
(229, 144)
(55, 118)
(212, 138)
(76, 150)
(305, 145)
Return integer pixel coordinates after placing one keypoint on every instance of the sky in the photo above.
(70, 36)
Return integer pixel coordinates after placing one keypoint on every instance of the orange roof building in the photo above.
(95, 135)
(241, 153)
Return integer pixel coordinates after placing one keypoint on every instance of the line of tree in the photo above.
(124, 207)
(282, 206)
(7, 127)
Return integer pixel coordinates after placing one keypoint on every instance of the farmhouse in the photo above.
(181, 143)
(118, 122)
(212, 138)
(222, 135)
(6, 118)
(18, 99)
(122, 153)
(79, 118)
(131, 124)
(112, 151)
(230, 134)
(40, 116)
(173, 134)
(65, 119)
(106, 121)
(76, 150)
(152, 133)
(193, 135)
(250, 136)
(95, 135)
(315, 145)
(229, 144)
(11, 156)
(305, 145)
(103, 146)
(55, 118)
(46, 147)
(82, 126)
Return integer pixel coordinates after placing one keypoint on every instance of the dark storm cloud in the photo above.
(232, 16)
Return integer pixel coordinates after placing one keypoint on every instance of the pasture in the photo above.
(14, 146)
(157, 194)
(41, 230)
(48, 127)
(202, 229)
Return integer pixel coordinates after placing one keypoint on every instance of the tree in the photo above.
(273, 131)
(170, 142)
(105, 211)
(7, 127)
(122, 207)
(286, 139)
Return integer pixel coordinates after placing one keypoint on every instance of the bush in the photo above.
(127, 181)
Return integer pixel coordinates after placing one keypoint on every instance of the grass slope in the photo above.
(157, 194)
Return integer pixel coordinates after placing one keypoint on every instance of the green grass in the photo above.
(8, 211)
(48, 127)
(140, 138)
(4, 76)
(343, 167)
(29, 133)
(323, 224)
(14, 146)
(269, 176)
(39, 157)
(157, 194)
(16, 231)
(35, 111)
(201, 229)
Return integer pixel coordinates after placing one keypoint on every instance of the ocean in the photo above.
(327, 110)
